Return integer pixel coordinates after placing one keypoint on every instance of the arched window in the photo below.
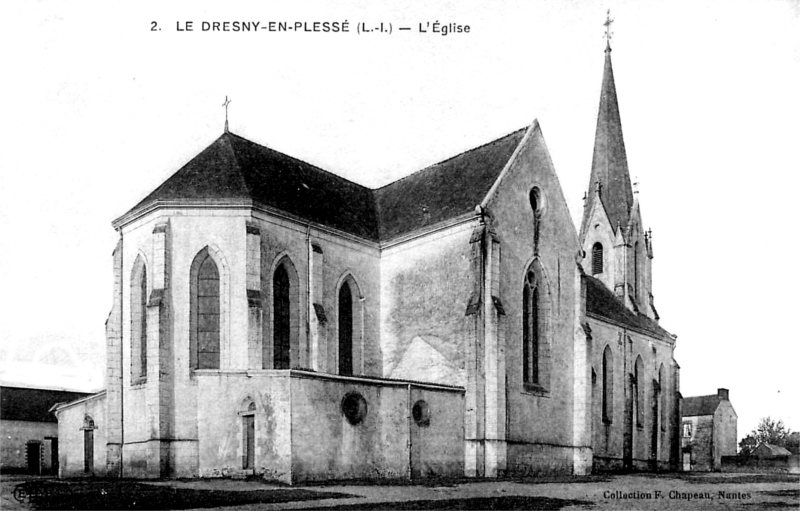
(205, 312)
(345, 330)
(535, 348)
(530, 334)
(138, 321)
(663, 397)
(608, 385)
(283, 352)
(597, 258)
(636, 271)
(639, 379)
(281, 321)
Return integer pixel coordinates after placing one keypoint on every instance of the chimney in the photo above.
(722, 394)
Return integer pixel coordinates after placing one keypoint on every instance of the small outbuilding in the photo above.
(29, 429)
(765, 450)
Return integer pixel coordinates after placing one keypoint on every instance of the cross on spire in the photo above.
(609, 33)
(225, 104)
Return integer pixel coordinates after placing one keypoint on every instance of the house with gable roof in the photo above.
(708, 431)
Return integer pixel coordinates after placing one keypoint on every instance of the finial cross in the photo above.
(225, 104)
(607, 24)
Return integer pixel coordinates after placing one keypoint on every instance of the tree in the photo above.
(747, 445)
(769, 431)
(793, 442)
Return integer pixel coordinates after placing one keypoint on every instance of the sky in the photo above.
(99, 109)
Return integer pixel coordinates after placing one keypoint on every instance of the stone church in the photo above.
(275, 319)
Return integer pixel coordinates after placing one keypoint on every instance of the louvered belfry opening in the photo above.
(281, 291)
(597, 259)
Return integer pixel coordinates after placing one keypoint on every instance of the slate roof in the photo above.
(26, 404)
(444, 190)
(233, 168)
(700, 405)
(602, 302)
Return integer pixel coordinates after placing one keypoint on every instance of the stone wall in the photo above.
(701, 444)
(426, 285)
(387, 443)
(16, 435)
(725, 439)
(788, 464)
(610, 438)
(226, 396)
(541, 431)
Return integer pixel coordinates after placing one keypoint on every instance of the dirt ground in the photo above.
(636, 492)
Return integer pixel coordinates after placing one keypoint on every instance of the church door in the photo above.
(249, 441)
(88, 451)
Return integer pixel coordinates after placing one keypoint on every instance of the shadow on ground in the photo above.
(438, 482)
(713, 478)
(115, 494)
(510, 502)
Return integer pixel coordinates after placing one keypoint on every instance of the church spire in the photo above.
(609, 162)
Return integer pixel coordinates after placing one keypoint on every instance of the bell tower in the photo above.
(617, 250)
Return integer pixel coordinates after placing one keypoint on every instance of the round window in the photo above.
(421, 414)
(354, 407)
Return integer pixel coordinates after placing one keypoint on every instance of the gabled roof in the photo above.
(25, 404)
(700, 405)
(444, 190)
(609, 161)
(765, 449)
(600, 301)
(233, 168)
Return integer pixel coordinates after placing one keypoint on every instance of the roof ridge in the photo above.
(236, 161)
(301, 161)
(451, 158)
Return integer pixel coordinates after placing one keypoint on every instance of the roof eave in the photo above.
(670, 338)
(61, 406)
